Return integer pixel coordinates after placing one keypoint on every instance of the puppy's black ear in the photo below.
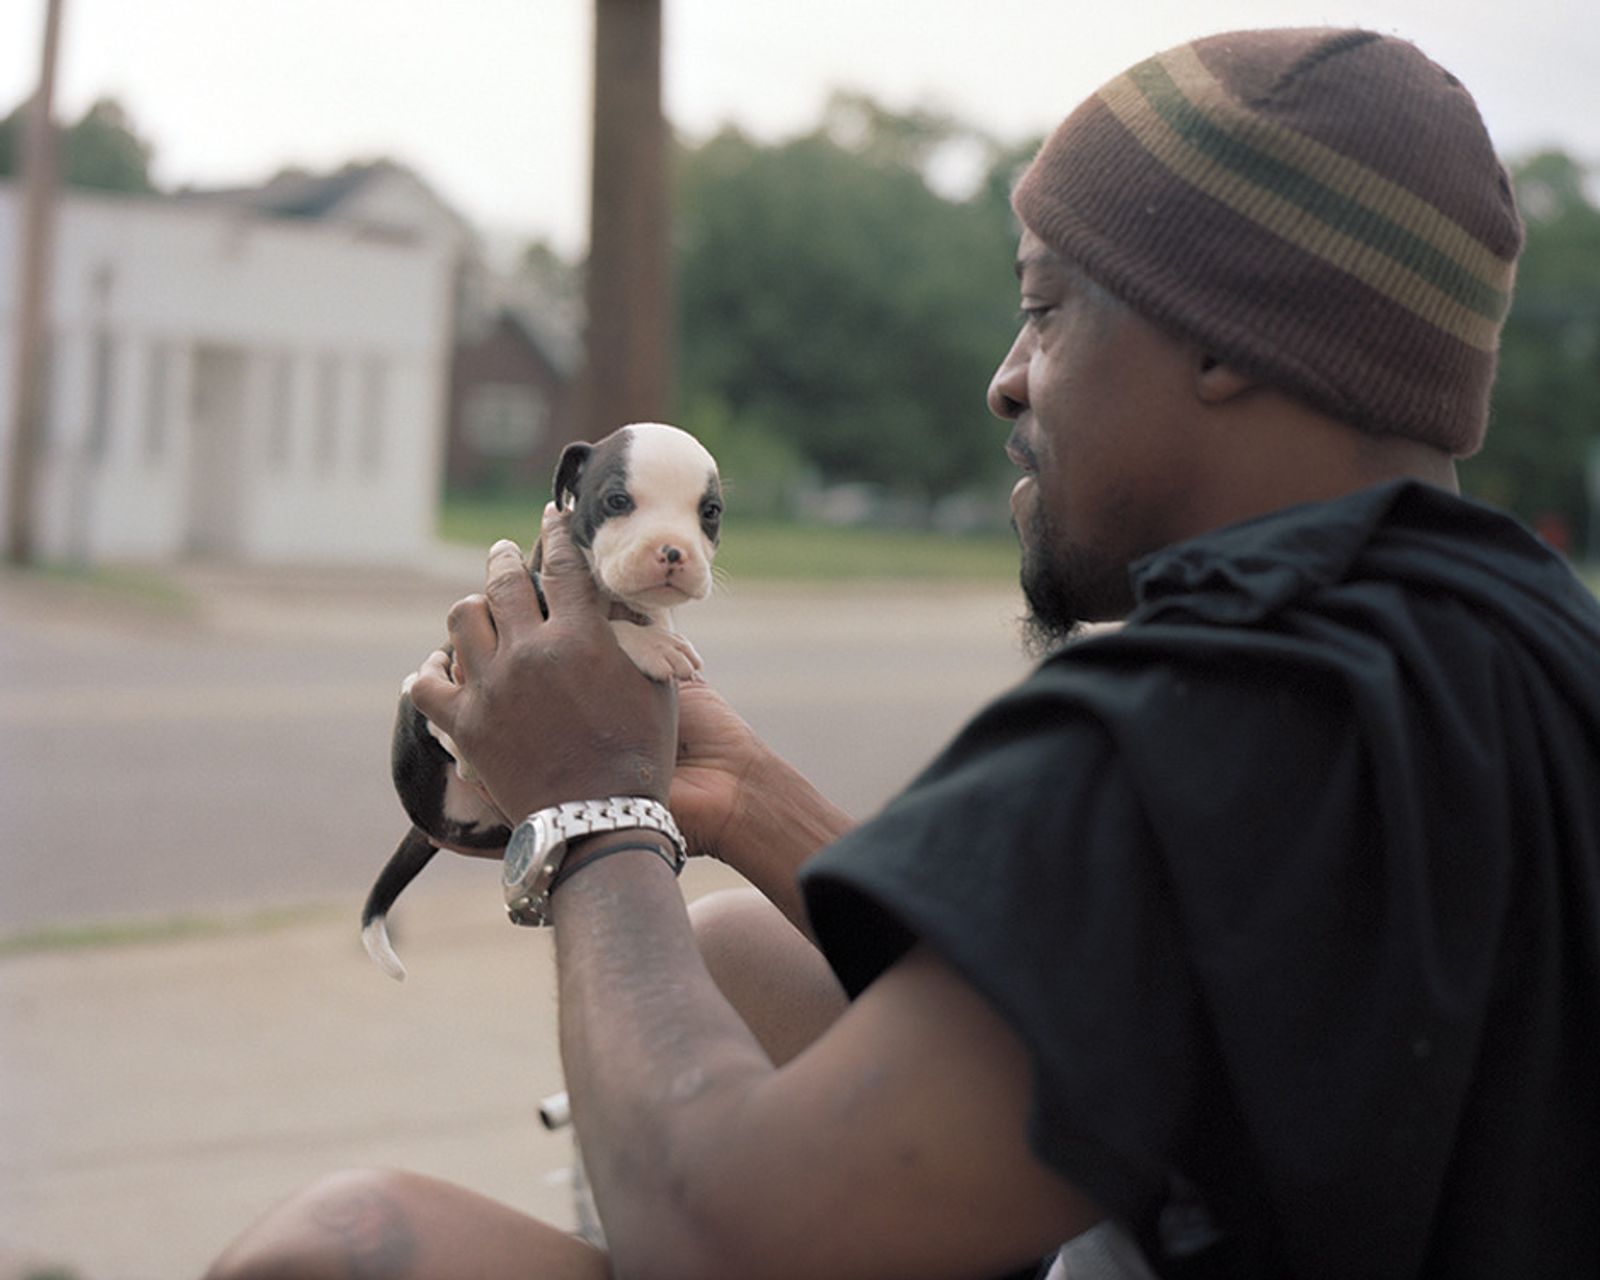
(574, 458)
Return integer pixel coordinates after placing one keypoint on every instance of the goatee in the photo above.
(1066, 586)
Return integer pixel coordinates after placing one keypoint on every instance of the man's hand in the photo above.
(547, 710)
(736, 800)
(717, 751)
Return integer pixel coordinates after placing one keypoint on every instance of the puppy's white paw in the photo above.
(661, 654)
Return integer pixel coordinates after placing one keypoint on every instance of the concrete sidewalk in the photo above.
(158, 1096)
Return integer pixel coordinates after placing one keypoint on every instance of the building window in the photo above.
(374, 412)
(505, 419)
(280, 411)
(327, 411)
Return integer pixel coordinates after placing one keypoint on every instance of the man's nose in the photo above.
(1008, 389)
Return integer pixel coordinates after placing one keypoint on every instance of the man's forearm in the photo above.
(781, 821)
(654, 1057)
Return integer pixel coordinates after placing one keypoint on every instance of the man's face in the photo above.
(1096, 396)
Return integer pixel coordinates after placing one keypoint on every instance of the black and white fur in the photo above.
(646, 507)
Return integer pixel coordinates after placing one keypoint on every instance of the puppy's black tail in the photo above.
(402, 868)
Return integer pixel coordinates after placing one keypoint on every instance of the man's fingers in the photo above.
(432, 690)
(472, 632)
(565, 573)
(438, 665)
(510, 590)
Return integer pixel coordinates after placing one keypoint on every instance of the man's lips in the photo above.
(1020, 454)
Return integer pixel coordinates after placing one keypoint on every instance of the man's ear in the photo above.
(1216, 382)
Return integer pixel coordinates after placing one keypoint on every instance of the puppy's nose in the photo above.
(671, 555)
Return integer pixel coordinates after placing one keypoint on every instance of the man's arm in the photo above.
(895, 1146)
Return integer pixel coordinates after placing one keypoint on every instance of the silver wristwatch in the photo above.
(538, 846)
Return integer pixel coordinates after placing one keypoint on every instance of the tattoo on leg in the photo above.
(371, 1227)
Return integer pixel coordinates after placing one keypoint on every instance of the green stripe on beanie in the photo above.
(1301, 186)
(1322, 209)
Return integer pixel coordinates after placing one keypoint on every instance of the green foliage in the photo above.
(102, 151)
(1546, 416)
(762, 470)
(145, 932)
(547, 271)
(830, 299)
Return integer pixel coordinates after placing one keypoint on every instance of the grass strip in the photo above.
(102, 934)
(147, 588)
(761, 551)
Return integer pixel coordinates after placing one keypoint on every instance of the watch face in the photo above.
(521, 850)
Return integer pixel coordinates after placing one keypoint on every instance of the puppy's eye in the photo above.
(618, 503)
(711, 510)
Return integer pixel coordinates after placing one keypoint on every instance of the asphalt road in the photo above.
(227, 751)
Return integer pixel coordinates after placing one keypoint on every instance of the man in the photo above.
(1258, 938)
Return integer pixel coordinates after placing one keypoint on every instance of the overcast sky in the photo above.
(489, 99)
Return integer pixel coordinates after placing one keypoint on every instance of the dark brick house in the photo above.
(510, 408)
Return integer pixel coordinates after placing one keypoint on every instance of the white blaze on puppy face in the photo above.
(659, 553)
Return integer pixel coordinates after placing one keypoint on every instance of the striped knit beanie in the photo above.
(1323, 210)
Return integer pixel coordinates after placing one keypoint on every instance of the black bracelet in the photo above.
(571, 868)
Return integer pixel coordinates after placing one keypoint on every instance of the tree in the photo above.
(103, 150)
(830, 299)
(1545, 422)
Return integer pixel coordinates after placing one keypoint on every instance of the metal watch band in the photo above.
(528, 897)
(619, 813)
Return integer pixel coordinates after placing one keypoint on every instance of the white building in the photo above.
(223, 382)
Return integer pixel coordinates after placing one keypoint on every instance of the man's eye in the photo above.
(1034, 314)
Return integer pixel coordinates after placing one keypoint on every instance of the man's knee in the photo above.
(730, 924)
(350, 1223)
(767, 969)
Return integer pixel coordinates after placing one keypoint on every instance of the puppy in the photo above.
(646, 507)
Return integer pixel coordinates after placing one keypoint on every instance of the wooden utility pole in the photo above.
(36, 254)
(628, 347)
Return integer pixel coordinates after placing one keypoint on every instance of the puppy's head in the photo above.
(646, 508)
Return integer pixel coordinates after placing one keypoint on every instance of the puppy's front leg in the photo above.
(658, 651)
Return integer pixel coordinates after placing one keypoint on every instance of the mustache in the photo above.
(1020, 452)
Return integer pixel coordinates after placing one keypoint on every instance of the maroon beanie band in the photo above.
(1321, 209)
